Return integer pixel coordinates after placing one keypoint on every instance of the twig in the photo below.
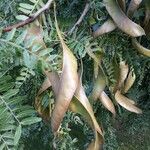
(30, 19)
(86, 8)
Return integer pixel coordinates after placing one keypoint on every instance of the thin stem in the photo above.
(30, 19)
(34, 6)
(20, 47)
(86, 8)
(7, 106)
(1, 138)
(7, 71)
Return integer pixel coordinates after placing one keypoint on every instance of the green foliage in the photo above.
(25, 73)
(29, 58)
(21, 66)
(28, 8)
(14, 115)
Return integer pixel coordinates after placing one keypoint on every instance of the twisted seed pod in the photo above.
(106, 27)
(124, 68)
(121, 20)
(108, 104)
(126, 103)
(129, 82)
(140, 48)
(133, 6)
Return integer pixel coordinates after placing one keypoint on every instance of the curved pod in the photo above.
(121, 20)
(140, 48)
(126, 103)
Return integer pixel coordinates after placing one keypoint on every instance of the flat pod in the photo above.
(106, 27)
(81, 96)
(97, 65)
(123, 74)
(121, 20)
(126, 103)
(129, 82)
(54, 80)
(45, 85)
(96, 144)
(80, 105)
(67, 84)
(107, 103)
(133, 6)
(89, 115)
(109, 25)
(99, 85)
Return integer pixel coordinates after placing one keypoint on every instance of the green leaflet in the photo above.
(36, 47)
(12, 113)
(22, 17)
(25, 113)
(2, 146)
(17, 135)
(11, 34)
(29, 60)
(10, 93)
(30, 120)
(33, 1)
(21, 37)
(121, 20)
(7, 87)
(26, 6)
(25, 11)
(45, 52)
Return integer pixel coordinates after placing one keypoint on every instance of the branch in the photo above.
(30, 19)
(86, 8)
